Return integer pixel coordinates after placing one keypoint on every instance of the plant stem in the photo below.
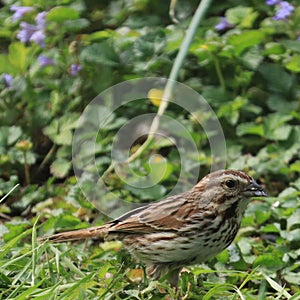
(199, 14)
(47, 157)
(219, 72)
(26, 169)
(190, 33)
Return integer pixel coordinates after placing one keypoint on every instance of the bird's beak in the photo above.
(254, 190)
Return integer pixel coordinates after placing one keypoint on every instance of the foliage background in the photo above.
(249, 74)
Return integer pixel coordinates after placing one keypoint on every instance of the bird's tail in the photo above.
(81, 234)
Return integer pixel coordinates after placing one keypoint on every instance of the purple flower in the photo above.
(20, 11)
(39, 38)
(74, 69)
(40, 20)
(7, 80)
(223, 24)
(284, 11)
(27, 30)
(298, 39)
(272, 2)
(45, 61)
(34, 33)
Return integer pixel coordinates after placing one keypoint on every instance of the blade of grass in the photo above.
(34, 252)
(68, 263)
(28, 292)
(4, 197)
(277, 287)
(77, 285)
(9, 245)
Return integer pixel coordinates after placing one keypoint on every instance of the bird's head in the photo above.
(225, 188)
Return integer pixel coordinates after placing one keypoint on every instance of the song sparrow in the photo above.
(183, 229)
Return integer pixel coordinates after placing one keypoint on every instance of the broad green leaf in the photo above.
(250, 128)
(98, 36)
(6, 66)
(275, 126)
(270, 228)
(244, 16)
(154, 192)
(245, 40)
(76, 25)
(291, 45)
(294, 64)
(293, 235)
(5, 33)
(19, 56)
(293, 278)
(262, 216)
(14, 133)
(60, 167)
(269, 261)
(295, 167)
(223, 257)
(160, 169)
(100, 53)
(277, 102)
(273, 48)
(293, 220)
(277, 79)
(67, 221)
(60, 130)
(60, 14)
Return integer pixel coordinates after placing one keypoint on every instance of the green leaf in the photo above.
(273, 48)
(159, 168)
(270, 261)
(277, 102)
(294, 220)
(153, 192)
(60, 167)
(76, 25)
(67, 221)
(262, 216)
(60, 14)
(223, 257)
(18, 56)
(231, 110)
(12, 243)
(245, 16)
(250, 128)
(295, 167)
(293, 235)
(98, 35)
(100, 53)
(270, 228)
(277, 79)
(6, 66)
(14, 133)
(275, 127)
(245, 40)
(60, 130)
(291, 45)
(294, 64)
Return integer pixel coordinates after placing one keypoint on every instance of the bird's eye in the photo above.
(230, 183)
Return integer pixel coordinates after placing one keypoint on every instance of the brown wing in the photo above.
(166, 215)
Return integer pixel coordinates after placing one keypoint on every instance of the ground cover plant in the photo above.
(57, 56)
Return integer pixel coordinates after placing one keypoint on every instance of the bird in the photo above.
(180, 230)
